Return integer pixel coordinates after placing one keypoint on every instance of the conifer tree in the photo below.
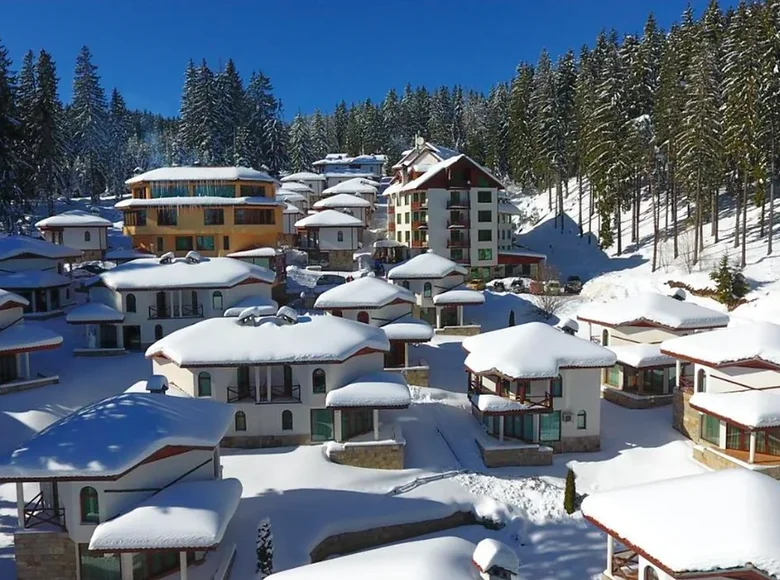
(265, 548)
(511, 318)
(301, 156)
(10, 162)
(26, 91)
(119, 165)
(497, 130)
(521, 143)
(341, 120)
(319, 135)
(570, 493)
(48, 122)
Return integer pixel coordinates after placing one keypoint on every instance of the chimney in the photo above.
(157, 384)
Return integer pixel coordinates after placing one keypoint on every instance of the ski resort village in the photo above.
(529, 332)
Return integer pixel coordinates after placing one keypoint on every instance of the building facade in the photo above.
(77, 229)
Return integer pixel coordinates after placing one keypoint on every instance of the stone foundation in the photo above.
(642, 402)
(686, 420)
(389, 455)
(341, 260)
(256, 441)
(93, 255)
(576, 444)
(470, 330)
(417, 376)
(44, 555)
(707, 457)
(514, 456)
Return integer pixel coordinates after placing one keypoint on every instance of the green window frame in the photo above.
(204, 384)
(287, 420)
(322, 425)
(252, 190)
(207, 189)
(318, 382)
(90, 509)
(184, 243)
(485, 254)
(240, 420)
(710, 429)
(213, 216)
(582, 420)
(204, 243)
(556, 386)
(550, 426)
(167, 216)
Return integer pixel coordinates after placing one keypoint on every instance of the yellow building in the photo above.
(213, 210)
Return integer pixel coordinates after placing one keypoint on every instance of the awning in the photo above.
(460, 296)
(22, 337)
(93, 312)
(408, 329)
(380, 390)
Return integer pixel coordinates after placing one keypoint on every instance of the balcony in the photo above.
(187, 311)
(419, 225)
(38, 512)
(390, 209)
(391, 226)
(541, 402)
(457, 223)
(419, 244)
(279, 394)
(458, 203)
(419, 205)
(458, 243)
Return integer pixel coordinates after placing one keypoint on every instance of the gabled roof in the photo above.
(150, 273)
(355, 185)
(73, 218)
(33, 279)
(459, 296)
(437, 168)
(344, 159)
(439, 152)
(641, 355)
(659, 520)
(653, 309)
(25, 338)
(329, 218)
(9, 298)
(303, 176)
(408, 329)
(532, 351)
(378, 390)
(742, 343)
(110, 437)
(365, 292)
(341, 200)
(427, 265)
(201, 174)
(749, 409)
(295, 186)
(256, 253)
(92, 312)
(13, 246)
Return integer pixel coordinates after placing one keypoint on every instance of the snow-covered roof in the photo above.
(494, 404)
(365, 292)
(93, 312)
(442, 558)
(491, 553)
(344, 159)
(439, 152)
(265, 252)
(750, 409)
(142, 386)
(73, 218)
(195, 201)
(378, 390)
(13, 246)
(427, 265)
(126, 254)
(295, 186)
(33, 279)
(188, 514)
(341, 200)
(533, 351)
(436, 168)
(265, 306)
(291, 209)
(290, 196)
(393, 188)
(642, 356)
(149, 273)
(662, 517)
(354, 185)
(201, 174)
(228, 342)
(24, 337)
(388, 243)
(11, 298)
(459, 296)
(329, 218)
(303, 176)
(510, 208)
(755, 341)
(109, 437)
(344, 172)
(409, 329)
(653, 309)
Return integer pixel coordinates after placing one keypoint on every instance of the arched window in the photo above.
(405, 284)
(363, 317)
(216, 300)
(87, 237)
(130, 303)
(90, 513)
(582, 420)
(650, 573)
(240, 421)
(427, 289)
(158, 331)
(287, 424)
(318, 381)
(701, 381)
(605, 337)
(204, 384)
(340, 236)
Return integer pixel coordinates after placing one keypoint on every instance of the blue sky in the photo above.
(316, 52)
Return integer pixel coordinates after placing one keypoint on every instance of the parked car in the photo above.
(552, 287)
(573, 285)
(87, 271)
(517, 286)
(327, 281)
(476, 284)
(497, 286)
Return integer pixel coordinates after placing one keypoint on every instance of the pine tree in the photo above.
(188, 122)
(301, 156)
(275, 155)
(393, 136)
(319, 135)
(10, 162)
(208, 119)
(497, 126)
(265, 548)
(570, 493)
(229, 104)
(458, 130)
(119, 166)
(341, 120)
(48, 121)
(260, 120)
(26, 91)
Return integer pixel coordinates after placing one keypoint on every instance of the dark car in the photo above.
(573, 285)
(517, 286)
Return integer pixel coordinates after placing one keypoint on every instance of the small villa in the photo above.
(273, 259)
(360, 187)
(536, 390)
(441, 297)
(634, 329)
(77, 229)
(347, 203)
(732, 407)
(315, 181)
(293, 380)
(127, 487)
(651, 527)
(139, 302)
(330, 238)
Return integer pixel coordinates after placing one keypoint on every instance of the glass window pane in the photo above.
(322, 425)
(550, 426)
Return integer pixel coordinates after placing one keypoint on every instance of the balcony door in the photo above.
(288, 381)
(242, 379)
(162, 304)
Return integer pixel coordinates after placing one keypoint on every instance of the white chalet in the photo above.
(437, 282)
(634, 328)
(347, 203)
(128, 487)
(732, 407)
(330, 237)
(77, 229)
(141, 301)
(290, 380)
(34, 269)
(673, 529)
(343, 163)
(536, 385)
(315, 181)
(358, 186)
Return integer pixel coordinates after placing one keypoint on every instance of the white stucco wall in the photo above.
(74, 237)
(329, 239)
(730, 379)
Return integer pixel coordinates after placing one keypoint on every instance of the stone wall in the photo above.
(255, 441)
(645, 402)
(685, 419)
(508, 456)
(417, 376)
(44, 555)
(469, 330)
(341, 260)
(709, 458)
(576, 444)
(349, 542)
(373, 455)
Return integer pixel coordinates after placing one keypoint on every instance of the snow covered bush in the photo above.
(265, 548)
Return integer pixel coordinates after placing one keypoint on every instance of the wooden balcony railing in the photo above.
(458, 223)
(539, 402)
(458, 203)
(458, 243)
(279, 394)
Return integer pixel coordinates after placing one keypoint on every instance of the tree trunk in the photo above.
(619, 227)
(737, 217)
(590, 210)
(744, 220)
(697, 223)
(656, 216)
(761, 219)
(564, 196)
(579, 201)
(673, 189)
(714, 215)
(771, 201)
(549, 194)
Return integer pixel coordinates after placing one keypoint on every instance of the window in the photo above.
(225, 242)
(90, 514)
(252, 216)
(205, 243)
(398, 218)
(484, 196)
(556, 386)
(318, 382)
(213, 216)
(701, 381)
(240, 421)
(166, 216)
(204, 384)
(158, 331)
(135, 218)
(485, 216)
(427, 289)
(550, 426)
(613, 376)
(710, 429)
(406, 218)
(206, 189)
(287, 421)
(169, 190)
(337, 313)
(406, 237)
(485, 254)
(363, 317)
(130, 303)
(87, 237)
(216, 300)
(322, 425)
(485, 235)
(650, 574)
(252, 190)
(582, 420)
(183, 243)
(340, 236)
(405, 284)
(160, 245)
